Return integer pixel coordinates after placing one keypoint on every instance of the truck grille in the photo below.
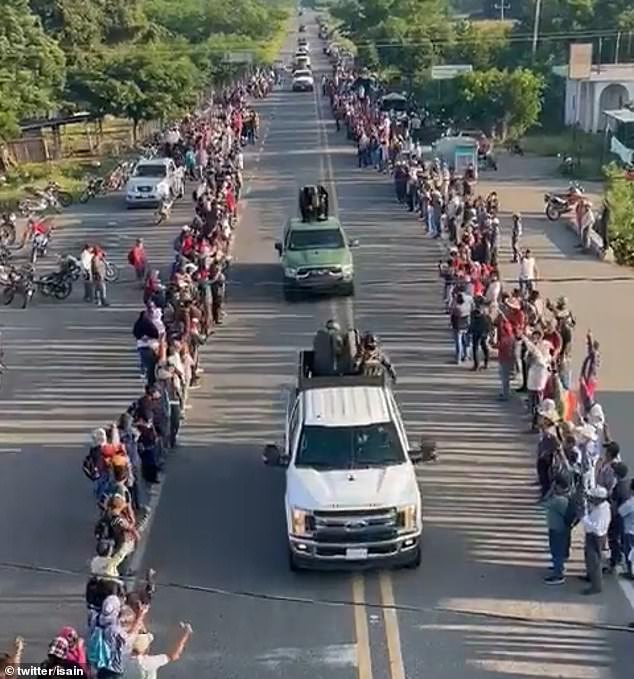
(355, 526)
(318, 271)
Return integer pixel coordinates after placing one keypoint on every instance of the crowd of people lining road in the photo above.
(127, 457)
(581, 476)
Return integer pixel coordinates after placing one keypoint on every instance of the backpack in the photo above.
(139, 327)
(98, 652)
(89, 468)
(575, 508)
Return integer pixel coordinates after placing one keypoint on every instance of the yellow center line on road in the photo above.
(392, 633)
(362, 634)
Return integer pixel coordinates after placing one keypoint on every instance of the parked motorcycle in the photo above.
(5, 254)
(21, 282)
(8, 229)
(29, 206)
(58, 284)
(558, 204)
(39, 246)
(112, 271)
(64, 198)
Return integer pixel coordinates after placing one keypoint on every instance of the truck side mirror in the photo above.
(415, 455)
(273, 456)
(354, 243)
(278, 247)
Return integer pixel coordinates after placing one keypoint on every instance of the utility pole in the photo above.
(538, 12)
(502, 6)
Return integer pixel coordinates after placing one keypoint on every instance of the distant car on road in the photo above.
(303, 81)
(154, 181)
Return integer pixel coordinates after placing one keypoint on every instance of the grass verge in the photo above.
(587, 150)
(70, 174)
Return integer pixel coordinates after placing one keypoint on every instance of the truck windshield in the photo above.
(150, 171)
(349, 447)
(316, 239)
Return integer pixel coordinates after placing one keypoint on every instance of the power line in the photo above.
(203, 48)
(336, 603)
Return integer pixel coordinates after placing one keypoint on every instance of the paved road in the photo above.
(220, 523)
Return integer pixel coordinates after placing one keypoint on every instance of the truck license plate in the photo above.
(356, 554)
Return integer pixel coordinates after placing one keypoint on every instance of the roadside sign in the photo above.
(449, 71)
(238, 57)
(580, 61)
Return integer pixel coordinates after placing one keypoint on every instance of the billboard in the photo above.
(580, 61)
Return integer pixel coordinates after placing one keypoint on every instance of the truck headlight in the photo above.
(289, 272)
(347, 270)
(407, 518)
(302, 522)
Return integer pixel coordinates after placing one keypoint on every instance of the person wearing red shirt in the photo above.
(138, 260)
(230, 200)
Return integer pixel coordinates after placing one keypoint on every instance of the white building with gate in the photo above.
(604, 88)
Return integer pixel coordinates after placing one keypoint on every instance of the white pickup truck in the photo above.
(352, 498)
(153, 181)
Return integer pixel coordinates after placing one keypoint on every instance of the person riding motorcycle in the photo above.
(371, 360)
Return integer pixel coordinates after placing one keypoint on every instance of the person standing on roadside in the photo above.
(141, 665)
(98, 269)
(596, 522)
(460, 319)
(85, 262)
(480, 329)
(516, 237)
(586, 224)
(588, 378)
(626, 512)
(138, 260)
(528, 272)
(556, 506)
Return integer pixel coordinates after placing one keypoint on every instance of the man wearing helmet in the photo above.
(371, 360)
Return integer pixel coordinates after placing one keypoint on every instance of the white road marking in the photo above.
(334, 655)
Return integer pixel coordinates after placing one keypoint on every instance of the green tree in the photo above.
(497, 101)
(75, 24)
(407, 36)
(31, 66)
(140, 84)
(483, 46)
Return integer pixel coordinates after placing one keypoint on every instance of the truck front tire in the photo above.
(293, 565)
(416, 559)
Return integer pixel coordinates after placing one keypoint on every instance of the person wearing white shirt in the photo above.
(139, 664)
(528, 272)
(85, 263)
(595, 522)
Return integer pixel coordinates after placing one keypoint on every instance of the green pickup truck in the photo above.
(316, 257)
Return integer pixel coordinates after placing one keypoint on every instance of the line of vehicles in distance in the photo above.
(303, 80)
